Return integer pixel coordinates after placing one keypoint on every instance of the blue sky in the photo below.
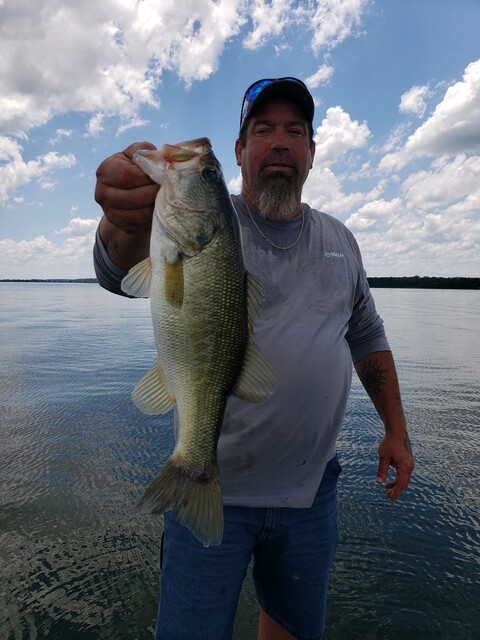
(397, 91)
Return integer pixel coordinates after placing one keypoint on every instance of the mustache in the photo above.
(281, 159)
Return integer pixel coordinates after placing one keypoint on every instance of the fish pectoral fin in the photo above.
(256, 381)
(254, 299)
(173, 281)
(152, 394)
(196, 497)
(138, 280)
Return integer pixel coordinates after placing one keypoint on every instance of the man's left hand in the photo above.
(397, 453)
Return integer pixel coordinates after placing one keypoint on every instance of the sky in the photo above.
(396, 85)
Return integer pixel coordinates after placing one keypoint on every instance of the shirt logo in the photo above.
(334, 254)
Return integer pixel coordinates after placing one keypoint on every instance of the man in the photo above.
(277, 459)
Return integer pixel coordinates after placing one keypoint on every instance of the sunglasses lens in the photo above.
(252, 92)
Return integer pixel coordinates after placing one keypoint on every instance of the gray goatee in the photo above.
(277, 196)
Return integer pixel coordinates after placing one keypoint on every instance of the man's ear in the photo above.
(238, 152)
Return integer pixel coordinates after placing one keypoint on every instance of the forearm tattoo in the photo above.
(373, 377)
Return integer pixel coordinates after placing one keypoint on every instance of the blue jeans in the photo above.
(292, 550)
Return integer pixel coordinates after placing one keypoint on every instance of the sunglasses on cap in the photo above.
(255, 89)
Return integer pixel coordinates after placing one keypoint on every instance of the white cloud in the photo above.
(269, 19)
(131, 124)
(42, 258)
(415, 101)
(281, 48)
(95, 124)
(235, 184)
(329, 21)
(107, 58)
(323, 190)
(377, 215)
(9, 148)
(334, 20)
(335, 138)
(80, 227)
(60, 134)
(103, 57)
(396, 138)
(425, 222)
(338, 134)
(16, 172)
(453, 127)
(440, 187)
(434, 245)
(326, 191)
(321, 76)
(433, 228)
(47, 185)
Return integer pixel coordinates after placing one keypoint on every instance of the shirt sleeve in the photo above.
(109, 276)
(366, 333)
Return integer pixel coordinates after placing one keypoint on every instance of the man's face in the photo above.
(276, 158)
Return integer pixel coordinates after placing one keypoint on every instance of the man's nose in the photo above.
(280, 140)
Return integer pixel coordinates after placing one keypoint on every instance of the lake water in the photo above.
(76, 455)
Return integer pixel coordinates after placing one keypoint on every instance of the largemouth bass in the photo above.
(202, 302)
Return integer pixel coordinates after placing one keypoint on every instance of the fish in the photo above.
(203, 304)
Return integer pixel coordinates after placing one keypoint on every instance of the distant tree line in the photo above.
(424, 282)
(405, 282)
(61, 280)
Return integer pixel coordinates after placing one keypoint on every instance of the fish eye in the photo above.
(209, 173)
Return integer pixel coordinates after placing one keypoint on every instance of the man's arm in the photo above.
(378, 375)
(127, 197)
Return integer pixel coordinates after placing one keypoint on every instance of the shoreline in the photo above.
(375, 282)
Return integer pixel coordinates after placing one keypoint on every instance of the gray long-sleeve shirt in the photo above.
(318, 315)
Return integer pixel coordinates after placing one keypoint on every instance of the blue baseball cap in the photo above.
(288, 87)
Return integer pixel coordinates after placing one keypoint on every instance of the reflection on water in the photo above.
(76, 455)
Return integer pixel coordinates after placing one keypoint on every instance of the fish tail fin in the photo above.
(196, 498)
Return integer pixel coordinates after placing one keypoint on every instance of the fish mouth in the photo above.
(199, 145)
(184, 156)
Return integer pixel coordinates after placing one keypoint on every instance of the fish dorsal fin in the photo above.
(152, 394)
(138, 280)
(256, 381)
(254, 299)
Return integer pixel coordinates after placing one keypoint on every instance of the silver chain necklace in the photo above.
(277, 246)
